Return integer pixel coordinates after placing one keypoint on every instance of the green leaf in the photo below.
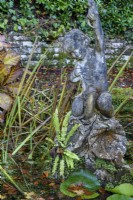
(56, 124)
(56, 162)
(83, 176)
(119, 197)
(69, 162)
(71, 154)
(93, 196)
(71, 132)
(125, 188)
(62, 167)
(65, 126)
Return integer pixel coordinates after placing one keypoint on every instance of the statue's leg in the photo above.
(104, 104)
(77, 106)
(89, 105)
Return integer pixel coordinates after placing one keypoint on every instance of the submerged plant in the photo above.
(63, 157)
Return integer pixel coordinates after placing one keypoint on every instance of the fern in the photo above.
(62, 167)
(71, 155)
(64, 158)
(69, 162)
(71, 132)
(56, 124)
(56, 161)
(67, 159)
(65, 126)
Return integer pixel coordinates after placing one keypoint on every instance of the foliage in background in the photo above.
(116, 16)
(49, 17)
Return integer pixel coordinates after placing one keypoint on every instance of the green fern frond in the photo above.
(71, 154)
(69, 162)
(65, 126)
(62, 167)
(55, 166)
(61, 144)
(71, 132)
(56, 124)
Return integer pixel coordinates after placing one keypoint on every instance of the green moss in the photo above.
(126, 178)
(102, 164)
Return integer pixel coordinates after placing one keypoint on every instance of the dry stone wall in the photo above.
(24, 44)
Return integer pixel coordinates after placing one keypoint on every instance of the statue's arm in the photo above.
(95, 23)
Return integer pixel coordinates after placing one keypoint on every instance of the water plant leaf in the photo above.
(5, 101)
(83, 177)
(125, 188)
(119, 197)
(11, 58)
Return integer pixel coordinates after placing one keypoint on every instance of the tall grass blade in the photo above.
(119, 74)
(30, 135)
(11, 179)
(113, 65)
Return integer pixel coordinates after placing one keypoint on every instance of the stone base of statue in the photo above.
(99, 137)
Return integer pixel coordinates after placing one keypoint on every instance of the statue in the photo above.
(100, 135)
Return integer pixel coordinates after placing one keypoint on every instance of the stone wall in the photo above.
(23, 45)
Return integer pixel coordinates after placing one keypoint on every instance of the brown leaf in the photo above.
(11, 59)
(2, 54)
(13, 87)
(5, 101)
(10, 189)
(13, 75)
(46, 174)
(4, 70)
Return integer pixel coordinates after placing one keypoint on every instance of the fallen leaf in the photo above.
(29, 195)
(2, 197)
(11, 58)
(5, 101)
